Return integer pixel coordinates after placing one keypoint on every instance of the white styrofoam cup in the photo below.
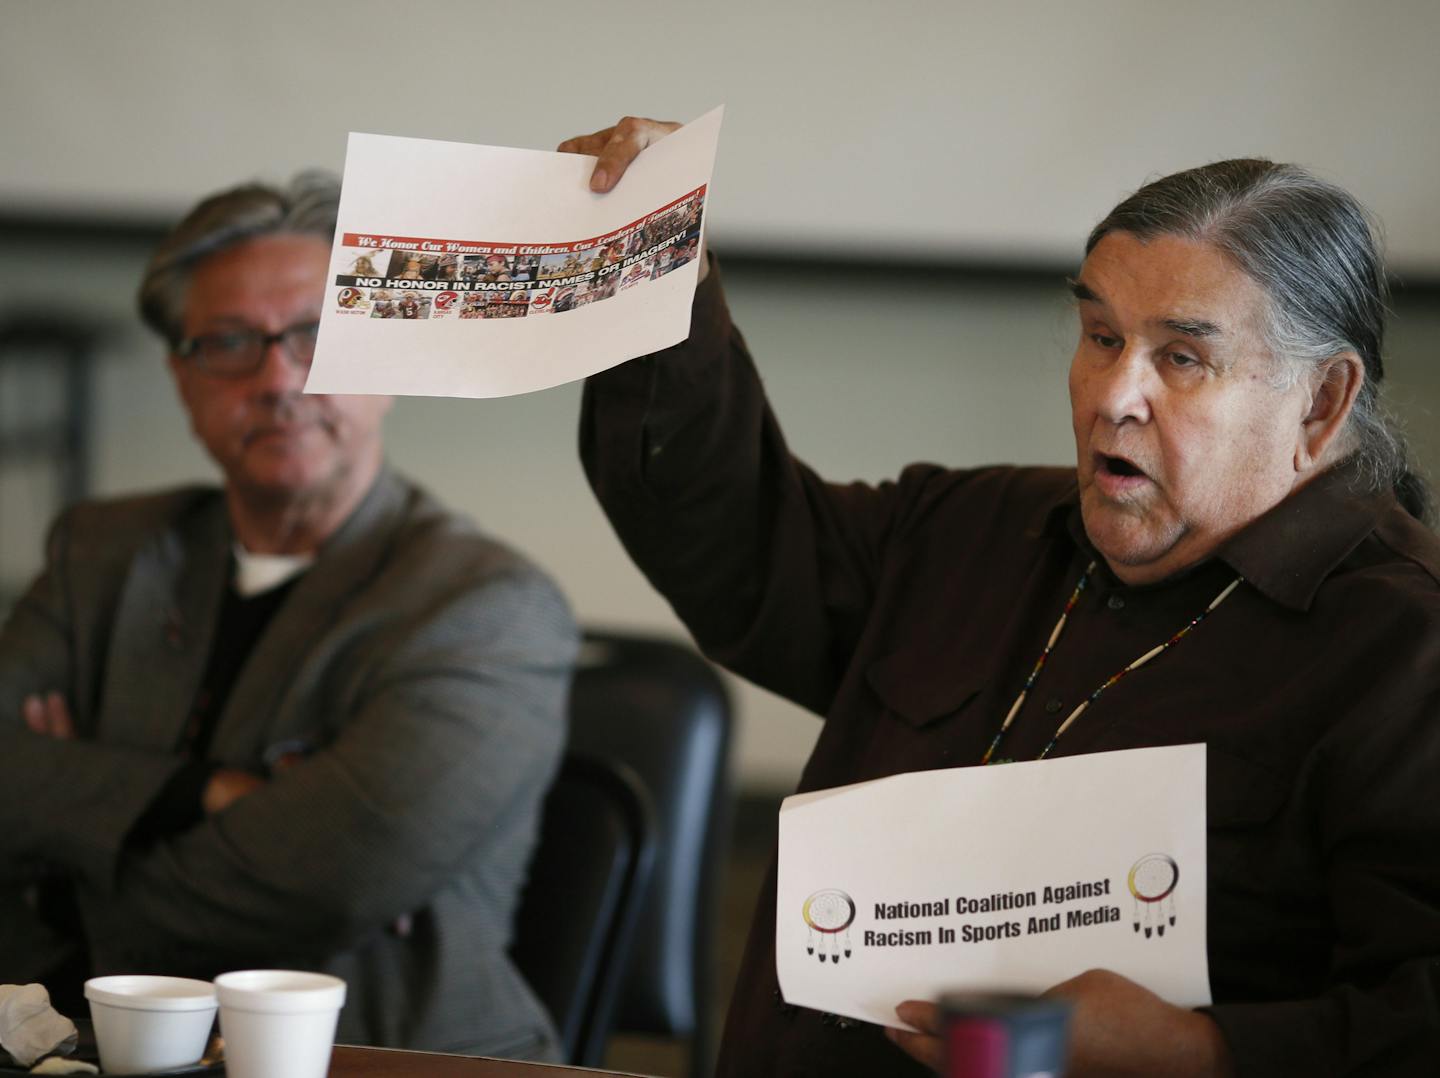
(278, 1023)
(145, 1023)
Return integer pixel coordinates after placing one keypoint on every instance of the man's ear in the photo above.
(1334, 386)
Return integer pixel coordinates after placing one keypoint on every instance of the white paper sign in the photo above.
(481, 271)
(1012, 877)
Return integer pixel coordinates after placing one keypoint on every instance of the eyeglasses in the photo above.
(240, 352)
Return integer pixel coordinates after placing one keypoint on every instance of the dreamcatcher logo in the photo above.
(828, 916)
(1152, 883)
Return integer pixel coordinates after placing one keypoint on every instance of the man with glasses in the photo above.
(304, 720)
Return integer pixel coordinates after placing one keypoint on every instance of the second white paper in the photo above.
(1013, 877)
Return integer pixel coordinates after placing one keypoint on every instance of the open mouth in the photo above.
(1119, 467)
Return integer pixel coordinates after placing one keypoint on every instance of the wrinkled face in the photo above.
(270, 439)
(1181, 436)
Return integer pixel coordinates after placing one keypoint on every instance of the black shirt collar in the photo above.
(1286, 552)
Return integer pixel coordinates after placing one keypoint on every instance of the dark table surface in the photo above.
(353, 1062)
(392, 1063)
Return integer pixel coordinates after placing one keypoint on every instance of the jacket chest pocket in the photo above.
(930, 717)
(1262, 859)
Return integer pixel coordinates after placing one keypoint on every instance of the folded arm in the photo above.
(461, 728)
(64, 799)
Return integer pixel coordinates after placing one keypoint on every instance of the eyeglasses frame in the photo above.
(189, 348)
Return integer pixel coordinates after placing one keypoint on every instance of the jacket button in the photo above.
(1116, 602)
(1053, 705)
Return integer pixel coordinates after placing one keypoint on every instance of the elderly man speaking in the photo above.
(304, 720)
(1240, 557)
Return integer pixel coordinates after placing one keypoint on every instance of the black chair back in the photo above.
(658, 706)
(577, 916)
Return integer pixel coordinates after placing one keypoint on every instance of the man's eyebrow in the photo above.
(1190, 327)
(1194, 327)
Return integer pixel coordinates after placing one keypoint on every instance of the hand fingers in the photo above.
(1093, 982)
(58, 715)
(587, 144)
(226, 786)
(32, 710)
(631, 135)
(923, 1016)
(920, 1046)
(1063, 990)
(48, 715)
(592, 146)
(926, 1046)
(616, 147)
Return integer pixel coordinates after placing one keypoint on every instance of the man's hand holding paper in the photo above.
(615, 148)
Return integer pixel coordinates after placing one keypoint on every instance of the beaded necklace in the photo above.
(1153, 653)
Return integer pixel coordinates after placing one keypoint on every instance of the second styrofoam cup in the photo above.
(145, 1023)
(278, 1023)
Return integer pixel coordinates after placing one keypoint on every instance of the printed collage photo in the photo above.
(390, 277)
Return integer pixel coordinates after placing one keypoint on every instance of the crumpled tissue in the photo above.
(57, 1065)
(29, 1026)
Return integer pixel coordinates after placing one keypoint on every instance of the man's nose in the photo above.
(279, 370)
(1124, 386)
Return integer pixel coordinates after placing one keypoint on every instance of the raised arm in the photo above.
(772, 569)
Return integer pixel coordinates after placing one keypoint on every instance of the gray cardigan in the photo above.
(425, 664)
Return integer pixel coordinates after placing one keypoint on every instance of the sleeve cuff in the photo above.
(1273, 1040)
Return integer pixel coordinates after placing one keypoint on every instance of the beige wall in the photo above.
(994, 127)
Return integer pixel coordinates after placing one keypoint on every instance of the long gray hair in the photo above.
(308, 205)
(1312, 248)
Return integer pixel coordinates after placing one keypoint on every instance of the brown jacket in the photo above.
(909, 614)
